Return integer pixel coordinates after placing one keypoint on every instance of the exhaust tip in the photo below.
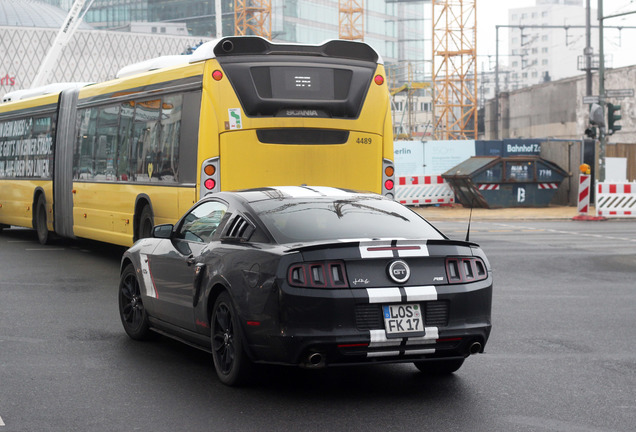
(475, 348)
(314, 360)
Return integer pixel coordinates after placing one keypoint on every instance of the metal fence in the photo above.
(91, 56)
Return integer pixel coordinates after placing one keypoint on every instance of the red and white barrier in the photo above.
(616, 199)
(584, 194)
(488, 186)
(423, 190)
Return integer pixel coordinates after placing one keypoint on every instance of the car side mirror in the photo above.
(163, 231)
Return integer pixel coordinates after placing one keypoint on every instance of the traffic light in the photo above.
(613, 116)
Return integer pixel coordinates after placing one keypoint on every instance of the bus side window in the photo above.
(144, 139)
(123, 140)
(84, 146)
(167, 157)
(106, 133)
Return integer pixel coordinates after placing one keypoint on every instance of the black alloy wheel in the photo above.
(230, 361)
(131, 308)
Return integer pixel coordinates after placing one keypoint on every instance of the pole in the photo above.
(587, 52)
(219, 19)
(601, 93)
(496, 82)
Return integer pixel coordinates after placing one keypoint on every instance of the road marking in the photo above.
(1, 422)
(574, 233)
(44, 249)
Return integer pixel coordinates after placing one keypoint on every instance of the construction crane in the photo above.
(253, 17)
(70, 24)
(410, 88)
(454, 69)
(351, 21)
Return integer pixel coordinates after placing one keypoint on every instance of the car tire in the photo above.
(131, 308)
(232, 365)
(146, 223)
(439, 367)
(40, 221)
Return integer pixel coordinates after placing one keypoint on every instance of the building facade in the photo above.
(543, 45)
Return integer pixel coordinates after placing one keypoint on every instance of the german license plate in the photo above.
(403, 318)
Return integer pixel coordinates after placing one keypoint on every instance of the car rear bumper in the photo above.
(319, 328)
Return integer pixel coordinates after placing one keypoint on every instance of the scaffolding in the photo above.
(454, 69)
(351, 19)
(253, 17)
(404, 117)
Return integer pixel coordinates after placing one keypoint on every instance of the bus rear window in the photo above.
(302, 83)
(282, 87)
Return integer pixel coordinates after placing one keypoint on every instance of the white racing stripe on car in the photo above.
(383, 354)
(432, 334)
(421, 293)
(328, 191)
(376, 249)
(393, 295)
(384, 295)
(420, 351)
(149, 284)
(297, 191)
(379, 340)
(390, 249)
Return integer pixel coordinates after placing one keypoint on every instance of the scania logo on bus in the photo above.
(399, 271)
(302, 113)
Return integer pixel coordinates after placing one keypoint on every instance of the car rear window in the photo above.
(308, 220)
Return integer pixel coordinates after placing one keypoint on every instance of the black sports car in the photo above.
(308, 276)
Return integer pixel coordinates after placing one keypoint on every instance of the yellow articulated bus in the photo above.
(107, 161)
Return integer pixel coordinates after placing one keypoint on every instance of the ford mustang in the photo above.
(308, 276)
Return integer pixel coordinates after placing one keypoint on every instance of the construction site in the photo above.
(433, 97)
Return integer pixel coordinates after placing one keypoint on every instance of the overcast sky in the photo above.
(495, 12)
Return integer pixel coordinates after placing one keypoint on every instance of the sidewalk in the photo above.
(460, 213)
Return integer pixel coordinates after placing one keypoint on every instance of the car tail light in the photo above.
(462, 270)
(330, 274)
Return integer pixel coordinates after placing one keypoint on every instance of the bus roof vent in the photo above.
(249, 45)
(152, 64)
(40, 91)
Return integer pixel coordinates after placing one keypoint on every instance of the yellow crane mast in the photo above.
(454, 69)
(253, 17)
(351, 21)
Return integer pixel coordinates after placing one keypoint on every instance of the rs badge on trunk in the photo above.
(399, 271)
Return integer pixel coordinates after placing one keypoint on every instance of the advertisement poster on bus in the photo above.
(26, 148)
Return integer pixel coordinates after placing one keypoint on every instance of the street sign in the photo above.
(590, 99)
(619, 93)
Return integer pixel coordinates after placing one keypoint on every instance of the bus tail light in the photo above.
(209, 177)
(217, 75)
(388, 179)
(378, 79)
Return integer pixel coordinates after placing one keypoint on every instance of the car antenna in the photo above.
(470, 217)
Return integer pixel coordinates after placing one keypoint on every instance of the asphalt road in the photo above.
(561, 356)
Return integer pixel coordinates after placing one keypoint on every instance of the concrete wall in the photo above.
(556, 109)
